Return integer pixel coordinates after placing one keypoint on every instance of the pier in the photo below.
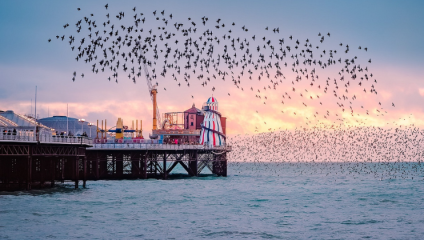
(26, 163)
(39, 153)
(142, 161)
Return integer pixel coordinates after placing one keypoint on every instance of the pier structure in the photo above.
(34, 155)
(142, 161)
(26, 163)
(117, 154)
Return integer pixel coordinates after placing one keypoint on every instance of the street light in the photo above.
(82, 120)
(90, 125)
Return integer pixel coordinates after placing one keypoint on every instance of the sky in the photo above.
(391, 30)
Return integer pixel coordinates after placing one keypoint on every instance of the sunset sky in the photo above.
(391, 30)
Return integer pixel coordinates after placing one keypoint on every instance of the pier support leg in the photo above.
(135, 165)
(144, 166)
(29, 172)
(62, 168)
(53, 171)
(84, 177)
(119, 165)
(96, 168)
(76, 172)
(216, 165)
(192, 164)
(21, 173)
(165, 173)
(224, 167)
(41, 162)
(154, 162)
(103, 167)
(215, 168)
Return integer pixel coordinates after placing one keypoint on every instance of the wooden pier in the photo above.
(27, 165)
(153, 160)
(31, 164)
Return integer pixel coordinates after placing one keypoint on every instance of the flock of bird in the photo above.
(381, 153)
(174, 53)
(205, 52)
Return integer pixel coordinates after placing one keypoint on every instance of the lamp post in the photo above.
(90, 125)
(82, 120)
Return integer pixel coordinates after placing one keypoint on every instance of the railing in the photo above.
(66, 139)
(131, 141)
(156, 146)
(176, 132)
(30, 137)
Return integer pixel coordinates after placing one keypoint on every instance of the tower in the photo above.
(153, 93)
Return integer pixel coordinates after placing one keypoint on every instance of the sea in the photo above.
(255, 201)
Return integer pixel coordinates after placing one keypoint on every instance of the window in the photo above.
(191, 124)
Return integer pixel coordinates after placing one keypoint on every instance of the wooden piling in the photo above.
(84, 177)
(165, 174)
(144, 166)
(192, 164)
(52, 171)
(29, 172)
(76, 171)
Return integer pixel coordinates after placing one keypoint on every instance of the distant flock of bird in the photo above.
(381, 153)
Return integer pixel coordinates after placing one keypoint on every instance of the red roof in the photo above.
(193, 109)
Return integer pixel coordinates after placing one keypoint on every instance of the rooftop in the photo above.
(11, 119)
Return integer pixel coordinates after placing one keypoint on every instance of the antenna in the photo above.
(67, 130)
(35, 117)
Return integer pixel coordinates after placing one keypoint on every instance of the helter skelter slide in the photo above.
(211, 134)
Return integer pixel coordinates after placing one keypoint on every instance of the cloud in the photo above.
(421, 91)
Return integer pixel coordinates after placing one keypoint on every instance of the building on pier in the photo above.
(184, 127)
(64, 125)
(14, 125)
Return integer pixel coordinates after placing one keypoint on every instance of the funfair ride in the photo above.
(212, 134)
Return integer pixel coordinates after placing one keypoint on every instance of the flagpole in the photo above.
(35, 117)
(67, 129)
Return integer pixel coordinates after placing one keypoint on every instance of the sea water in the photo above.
(255, 201)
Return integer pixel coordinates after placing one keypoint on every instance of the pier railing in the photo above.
(157, 146)
(30, 137)
(177, 132)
